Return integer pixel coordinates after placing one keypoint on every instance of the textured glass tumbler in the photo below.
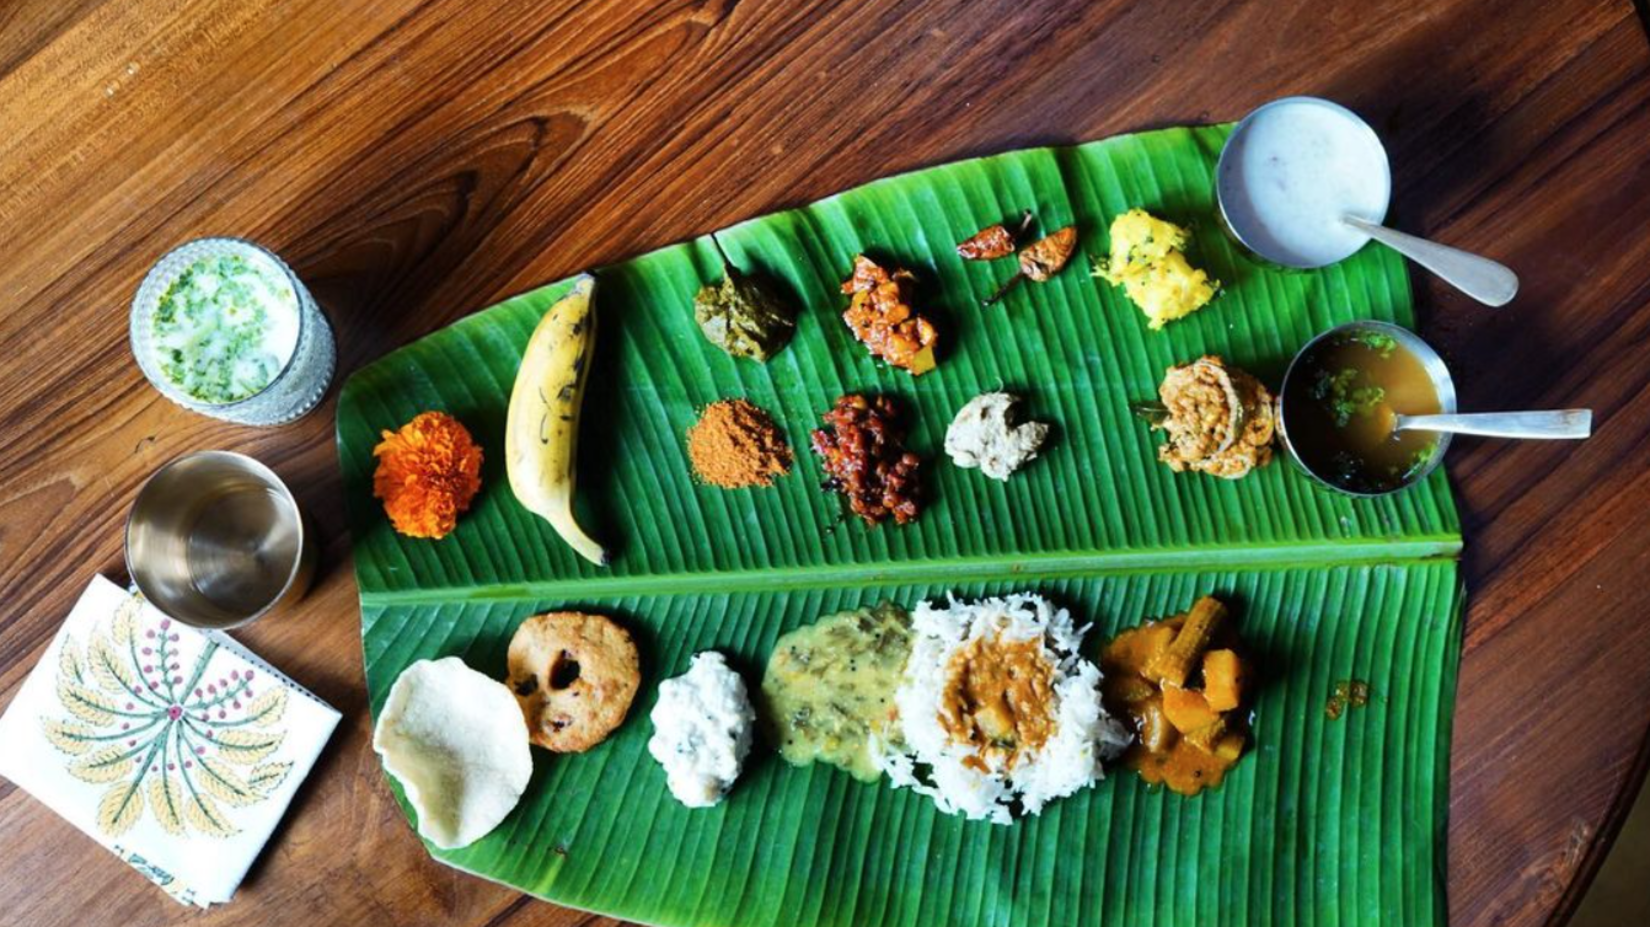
(302, 381)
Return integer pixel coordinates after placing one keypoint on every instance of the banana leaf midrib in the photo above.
(1030, 568)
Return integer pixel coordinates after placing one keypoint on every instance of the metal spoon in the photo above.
(1568, 423)
(1363, 162)
(1574, 423)
(1487, 281)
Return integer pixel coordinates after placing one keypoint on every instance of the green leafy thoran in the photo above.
(744, 315)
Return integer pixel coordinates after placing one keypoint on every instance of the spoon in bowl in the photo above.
(1303, 183)
(1301, 425)
(1489, 282)
(1550, 425)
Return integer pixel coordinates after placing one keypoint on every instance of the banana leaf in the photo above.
(1331, 821)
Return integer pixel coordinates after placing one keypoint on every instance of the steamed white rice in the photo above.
(1084, 735)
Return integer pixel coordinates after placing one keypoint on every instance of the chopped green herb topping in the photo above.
(1379, 342)
(224, 328)
(1344, 399)
(1419, 460)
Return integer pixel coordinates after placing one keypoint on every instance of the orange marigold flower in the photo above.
(427, 474)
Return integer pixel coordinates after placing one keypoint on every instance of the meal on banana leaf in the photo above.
(541, 428)
(744, 315)
(881, 316)
(735, 444)
(985, 434)
(997, 709)
(428, 471)
(862, 448)
(574, 676)
(1219, 419)
(1342, 400)
(1147, 260)
(1182, 683)
(828, 690)
(702, 730)
(456, 742)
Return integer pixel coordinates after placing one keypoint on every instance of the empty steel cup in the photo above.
(215, 540)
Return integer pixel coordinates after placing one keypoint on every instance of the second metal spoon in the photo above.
(1568, 423)
(1485, 280)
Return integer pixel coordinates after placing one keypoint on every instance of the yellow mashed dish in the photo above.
(1147, 261)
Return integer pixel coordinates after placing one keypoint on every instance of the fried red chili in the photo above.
(1046, 257)
(988, 244)
(862, 448)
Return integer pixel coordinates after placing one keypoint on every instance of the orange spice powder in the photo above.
(735, 444)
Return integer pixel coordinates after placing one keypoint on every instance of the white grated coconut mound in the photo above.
(1084, 735)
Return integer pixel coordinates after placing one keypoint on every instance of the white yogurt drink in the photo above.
(223, 327)
(1291, 170)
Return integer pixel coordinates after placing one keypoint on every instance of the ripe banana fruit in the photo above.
(541, 433)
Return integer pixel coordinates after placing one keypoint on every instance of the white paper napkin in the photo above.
(175, 748)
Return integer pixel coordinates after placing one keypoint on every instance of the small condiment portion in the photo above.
(862, 449)
(1341, 399)
(1219, 420)
(428, 471)
(881, 316)
(1183, 684)
(225, 327)
(985, 435)
(702, 730)
(745, 315)
(989, 243)
(1047, 256)
(828, 691)
(1148, 261)
(735, 444)
(1348, 693)
(998, 710)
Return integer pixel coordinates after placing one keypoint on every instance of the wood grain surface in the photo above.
(416, 161)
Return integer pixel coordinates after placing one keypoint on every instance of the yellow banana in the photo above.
(542, 431)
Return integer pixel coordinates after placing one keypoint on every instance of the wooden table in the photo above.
(417, 161)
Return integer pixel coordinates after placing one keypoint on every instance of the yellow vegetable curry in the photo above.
(1190, 735)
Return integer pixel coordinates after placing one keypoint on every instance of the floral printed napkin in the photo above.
(175, 748)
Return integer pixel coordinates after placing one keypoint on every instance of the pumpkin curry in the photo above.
(1183, 684)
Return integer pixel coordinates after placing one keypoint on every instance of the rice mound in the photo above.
(1084, 736)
